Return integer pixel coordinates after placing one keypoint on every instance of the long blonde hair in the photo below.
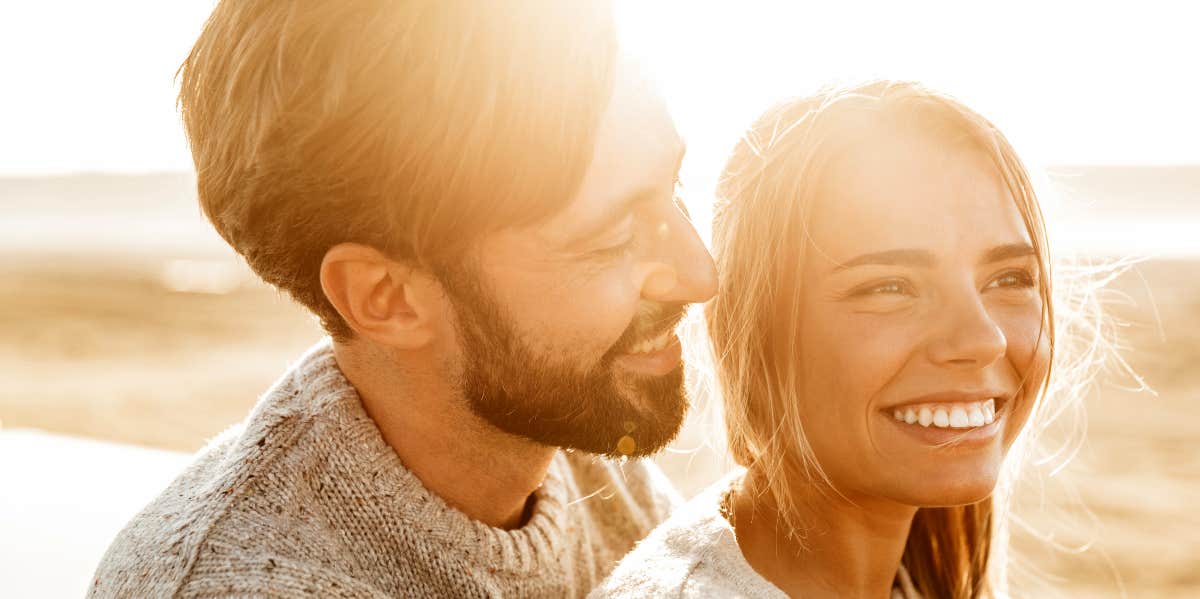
(759, 236)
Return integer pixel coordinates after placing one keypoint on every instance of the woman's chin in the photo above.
(950, 493)
(939, 487)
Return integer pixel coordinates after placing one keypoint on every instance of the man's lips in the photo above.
(656, 357)
(648, 331)
(652, 344)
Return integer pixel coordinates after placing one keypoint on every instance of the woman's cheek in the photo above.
(1029, 356)
(870, 350)
(1028, 342)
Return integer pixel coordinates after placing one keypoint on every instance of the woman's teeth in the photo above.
(652, 345)
(959, 415)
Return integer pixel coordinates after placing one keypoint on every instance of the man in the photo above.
(476, 199)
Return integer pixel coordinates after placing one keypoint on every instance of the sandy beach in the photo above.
(165, 348)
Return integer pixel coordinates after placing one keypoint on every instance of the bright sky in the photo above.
(88, 86)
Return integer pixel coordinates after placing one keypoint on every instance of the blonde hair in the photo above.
(759, 236)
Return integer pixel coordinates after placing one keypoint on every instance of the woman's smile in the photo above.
(953, 415)
(957, 425)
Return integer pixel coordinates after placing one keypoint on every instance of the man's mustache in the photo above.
(652, 320)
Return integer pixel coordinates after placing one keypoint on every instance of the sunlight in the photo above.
(1049, 75)
(134, 331)
(1076, 82)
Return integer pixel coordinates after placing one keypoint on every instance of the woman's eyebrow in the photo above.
(898, 257)
(1007, 252)
(926, 259)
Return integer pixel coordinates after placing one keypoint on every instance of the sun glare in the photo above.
(1079, 83)
(1048, 74)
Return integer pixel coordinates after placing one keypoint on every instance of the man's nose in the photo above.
(682, 271)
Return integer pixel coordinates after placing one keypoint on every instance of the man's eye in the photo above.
(614, 251)
(679, 203)
(890, 287)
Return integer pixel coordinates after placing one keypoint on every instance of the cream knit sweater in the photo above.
(306, 498)
(695, 554)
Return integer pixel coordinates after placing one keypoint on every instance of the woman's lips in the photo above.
(948, 415)
(950, 424)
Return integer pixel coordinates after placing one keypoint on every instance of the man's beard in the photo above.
(555, 402)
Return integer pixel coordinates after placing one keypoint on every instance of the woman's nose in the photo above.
(968, 335)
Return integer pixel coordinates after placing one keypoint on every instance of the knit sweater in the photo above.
(305, 498)
(695, 554)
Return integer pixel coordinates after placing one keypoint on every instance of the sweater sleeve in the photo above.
(218, 574)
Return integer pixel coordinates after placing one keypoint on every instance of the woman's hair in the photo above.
(760, 222)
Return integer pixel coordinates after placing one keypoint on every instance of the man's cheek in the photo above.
(614, 303)
(578, 338)
(582, 318)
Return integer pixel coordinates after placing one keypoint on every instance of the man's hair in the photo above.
(410, 126)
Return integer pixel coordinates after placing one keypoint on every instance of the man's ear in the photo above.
(380, 298)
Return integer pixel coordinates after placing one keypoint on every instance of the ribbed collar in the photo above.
(704, 513)
(316, 391)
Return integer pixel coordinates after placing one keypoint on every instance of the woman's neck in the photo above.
(845, 548)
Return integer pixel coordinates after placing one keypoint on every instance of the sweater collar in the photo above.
(316, 390)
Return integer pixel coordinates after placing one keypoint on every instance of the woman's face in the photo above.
(921, 319)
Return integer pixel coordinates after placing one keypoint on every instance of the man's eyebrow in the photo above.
(627, 204)
(925, 258)
(679, 159)
(899, 257)
(613, 214)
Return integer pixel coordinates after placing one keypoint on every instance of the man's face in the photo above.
(565, 328)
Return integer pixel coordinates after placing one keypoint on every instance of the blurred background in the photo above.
(129, 333)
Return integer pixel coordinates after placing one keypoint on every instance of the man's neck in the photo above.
(847, 549)
(477, 469)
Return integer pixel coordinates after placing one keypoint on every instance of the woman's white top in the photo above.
(695, 553)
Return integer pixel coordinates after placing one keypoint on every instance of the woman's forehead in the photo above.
(901, 191)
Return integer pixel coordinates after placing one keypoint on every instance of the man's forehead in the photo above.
(636, 116)
(636, 147)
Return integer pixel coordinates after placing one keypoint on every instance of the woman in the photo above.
(882, 336)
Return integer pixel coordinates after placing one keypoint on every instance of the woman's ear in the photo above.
(380, 298)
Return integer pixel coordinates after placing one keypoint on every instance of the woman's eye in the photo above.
(1015, 279)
